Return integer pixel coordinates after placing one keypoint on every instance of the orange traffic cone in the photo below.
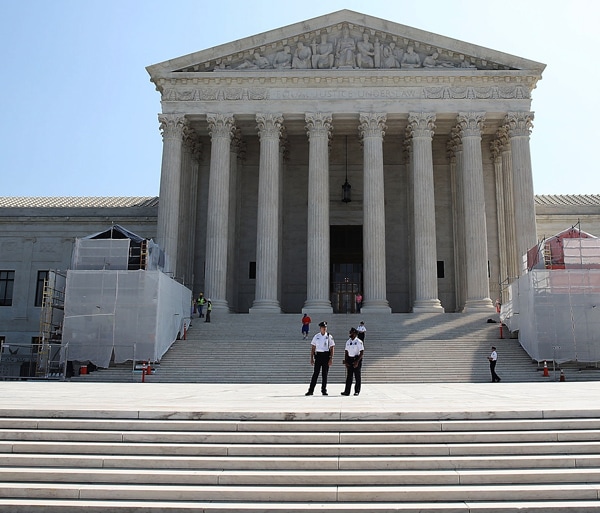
(562, 376)
(546, 374)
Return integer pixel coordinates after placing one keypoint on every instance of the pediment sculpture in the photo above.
(345, 48)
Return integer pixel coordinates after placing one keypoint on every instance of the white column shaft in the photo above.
(372, 128)
(267, 244)
(474, 205)
(426, 289)
(217, 228)
(170, 187)
(318, 250)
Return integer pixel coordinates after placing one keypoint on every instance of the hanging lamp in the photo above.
(346, 188)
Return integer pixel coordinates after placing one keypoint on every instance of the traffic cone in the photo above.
(546, 373)
(562, 375)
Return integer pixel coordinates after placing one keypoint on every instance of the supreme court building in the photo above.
(341, 154)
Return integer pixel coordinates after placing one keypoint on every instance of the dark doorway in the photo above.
(346, 267)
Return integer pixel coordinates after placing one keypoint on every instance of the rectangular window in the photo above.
(7, 282)
(252, 271)
(440, 269)
(42, 276)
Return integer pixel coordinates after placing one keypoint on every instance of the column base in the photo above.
(478, 305)
(376, 306)
(219, 305)
(317, 306)
(428, 306)
(265, 306)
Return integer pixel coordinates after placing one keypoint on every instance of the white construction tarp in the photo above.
(135, 314)
(557, 314)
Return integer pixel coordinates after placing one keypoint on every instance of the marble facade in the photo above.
(432, 134)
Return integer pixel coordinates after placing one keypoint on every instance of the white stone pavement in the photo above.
(401, 401)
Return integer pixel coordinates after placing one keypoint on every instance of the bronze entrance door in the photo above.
(346, 267)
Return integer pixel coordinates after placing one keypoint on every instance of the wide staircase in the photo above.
(399, 348)
(279, 463)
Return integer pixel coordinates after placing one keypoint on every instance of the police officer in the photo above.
(353, 356)
(321, 357)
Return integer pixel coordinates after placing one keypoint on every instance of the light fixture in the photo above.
(346, 188)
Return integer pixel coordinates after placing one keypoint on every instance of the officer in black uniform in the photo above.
(321, 357)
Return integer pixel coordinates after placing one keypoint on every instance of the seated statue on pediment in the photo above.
(365, 56)
(432, 61)
(345, 50)
(410, 59)
(391, 56)
(322, 53)
(257, 62)
(283, 58)
(302, 56)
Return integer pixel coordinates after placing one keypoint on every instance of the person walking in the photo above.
(208, 310)
(321, 357)
(493, 358)
(353, 356)
(359, 300)
(200, 304)
(306, 320)
(361, 331)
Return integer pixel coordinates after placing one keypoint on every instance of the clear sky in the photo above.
(79, 114)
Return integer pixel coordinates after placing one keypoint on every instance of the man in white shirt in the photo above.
(353, 357)
(321, 357)
(493, 358)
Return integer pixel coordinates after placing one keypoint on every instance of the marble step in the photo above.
(271, 463)
(297, 478)
(303, 493)
(99, 506)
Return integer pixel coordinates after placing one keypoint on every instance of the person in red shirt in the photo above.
(305, 325)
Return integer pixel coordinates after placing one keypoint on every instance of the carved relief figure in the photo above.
(283, 58)
(322, 54)
(257, 62)
(345, 50)
(302, 55)
(432, 61)
(391, 56)
(365, 57)
(411, 59)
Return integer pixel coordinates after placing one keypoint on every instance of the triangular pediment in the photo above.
(344, 40)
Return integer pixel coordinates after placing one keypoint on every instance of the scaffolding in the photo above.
(50, 349)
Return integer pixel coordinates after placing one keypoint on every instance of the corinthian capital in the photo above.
(171, 125)
(421, 124)
(269, 125)
(519, 123)
(318, 124)
(471, 123)
(220, 125)
(372, 124)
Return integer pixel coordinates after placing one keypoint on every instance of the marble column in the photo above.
(426, 299)
(512, 255)
(187, 206)
(519, 128)
(236, 157)
(458, 217)
(319, 128)
(502, 277)
(372, 129)
(167, 230)
(221, 128)
(478, 286)
(267, 237)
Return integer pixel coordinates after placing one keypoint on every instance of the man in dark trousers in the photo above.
(321, 357)
(493, 358)
(353, 356)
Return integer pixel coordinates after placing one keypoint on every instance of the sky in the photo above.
(79, 113)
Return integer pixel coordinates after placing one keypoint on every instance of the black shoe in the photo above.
(309, 393)
(345, 393)
(355, 393)
(324, 393)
